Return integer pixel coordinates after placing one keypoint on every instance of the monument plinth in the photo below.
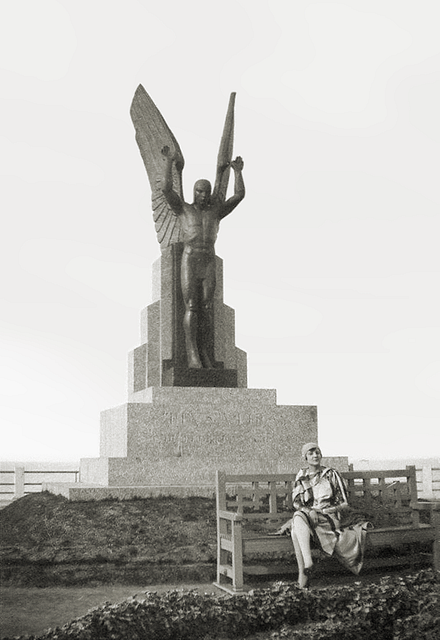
(182, 435)
(171, 439)
(161, 360)
(189, 411)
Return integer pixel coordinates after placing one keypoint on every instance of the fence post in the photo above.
(427, 482)
(19, 482)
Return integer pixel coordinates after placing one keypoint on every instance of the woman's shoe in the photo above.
(304, 582)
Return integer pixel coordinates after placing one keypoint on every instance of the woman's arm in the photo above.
(336, 508)
(340, 496)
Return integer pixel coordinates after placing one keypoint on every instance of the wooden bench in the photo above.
(249, 507)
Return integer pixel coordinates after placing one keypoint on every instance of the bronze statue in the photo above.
(196, 224)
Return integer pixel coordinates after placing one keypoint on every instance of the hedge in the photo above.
(396, 608)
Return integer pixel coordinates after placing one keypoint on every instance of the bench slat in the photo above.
(286, 515)
(368, 475)
(226, 544)
(226, 570)
(267, 544)
(262, 477)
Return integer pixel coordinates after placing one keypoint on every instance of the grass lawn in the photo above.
(48, 541)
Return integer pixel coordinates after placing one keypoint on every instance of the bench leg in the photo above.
(222, 554)
(237, 557)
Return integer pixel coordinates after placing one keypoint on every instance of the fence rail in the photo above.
(20, 480)
(427, 473)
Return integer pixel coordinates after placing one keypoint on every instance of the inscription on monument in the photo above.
(186, 431)
(188, 418)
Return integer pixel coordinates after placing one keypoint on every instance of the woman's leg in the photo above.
(301, 545)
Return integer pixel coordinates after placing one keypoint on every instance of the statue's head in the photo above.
(202, 193)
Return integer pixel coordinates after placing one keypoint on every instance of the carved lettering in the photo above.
(214, 425)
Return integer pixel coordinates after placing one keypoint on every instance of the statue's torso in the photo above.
(200, 227)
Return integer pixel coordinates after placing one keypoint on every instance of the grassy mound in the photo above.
(48, 540)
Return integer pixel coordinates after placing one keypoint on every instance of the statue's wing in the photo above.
(225, 151)
(152, 134)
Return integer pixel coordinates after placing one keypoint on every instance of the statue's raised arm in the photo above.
(239, 189)
(172, 197)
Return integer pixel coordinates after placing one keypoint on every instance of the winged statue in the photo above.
(152, 135)
(194, 224)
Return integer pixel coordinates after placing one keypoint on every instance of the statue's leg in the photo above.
(190, 319)
(207, 347)
(190, 322)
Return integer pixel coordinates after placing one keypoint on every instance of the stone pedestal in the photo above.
(180, 436)
(180, 425)
(160, 360)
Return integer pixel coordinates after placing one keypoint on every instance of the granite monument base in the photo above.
(172, 440)
(177, 437)
(181, 435)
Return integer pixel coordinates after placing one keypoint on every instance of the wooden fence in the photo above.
(427, 473)
(19, 481)
(428, 482)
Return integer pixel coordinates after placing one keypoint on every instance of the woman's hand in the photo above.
(313, 515)
(285, 530)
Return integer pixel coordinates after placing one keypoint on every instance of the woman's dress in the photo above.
(322, 490)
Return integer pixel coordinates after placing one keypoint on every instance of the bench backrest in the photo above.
(384, 497)
(387, 497)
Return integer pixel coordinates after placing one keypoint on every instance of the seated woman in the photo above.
(319, 500)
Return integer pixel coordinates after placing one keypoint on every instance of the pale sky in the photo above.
(332, 260)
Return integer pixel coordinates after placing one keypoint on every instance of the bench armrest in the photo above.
(229, 515)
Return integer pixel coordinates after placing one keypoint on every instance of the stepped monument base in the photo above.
(174, 440)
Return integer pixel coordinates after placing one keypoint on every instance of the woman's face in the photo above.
(314, 456)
